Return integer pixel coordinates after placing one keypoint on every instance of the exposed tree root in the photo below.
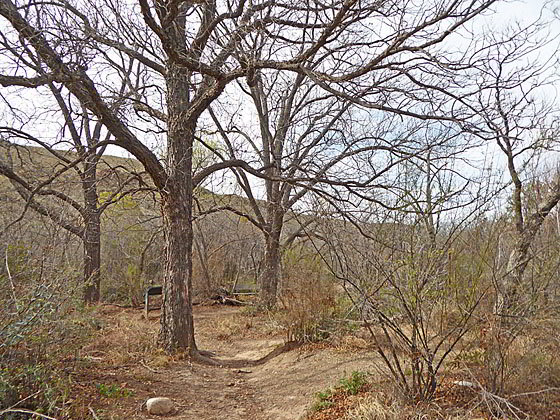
(203, 357)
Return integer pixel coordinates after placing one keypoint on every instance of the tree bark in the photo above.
(517, 263)
(270, 274)
(177, 329)
(202, 253)
(526, 230)
(92, 257)
(92, 231)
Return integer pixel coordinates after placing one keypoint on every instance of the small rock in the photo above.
(159, 406)
(464, 383)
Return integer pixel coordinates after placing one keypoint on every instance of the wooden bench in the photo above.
(238, 290)
(151, 291)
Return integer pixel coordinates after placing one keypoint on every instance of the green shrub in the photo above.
(353, 384)
(36, 346)
(350, 386)
(324, 400)
(114, 391)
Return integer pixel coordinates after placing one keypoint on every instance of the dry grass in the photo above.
(124, 340)
(232, 326)
(372, 408)
(532, 383)
(308, 309)
(352, 342)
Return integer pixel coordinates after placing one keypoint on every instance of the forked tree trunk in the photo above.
(509, 300)
(513, 281)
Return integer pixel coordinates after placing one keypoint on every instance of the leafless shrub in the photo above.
(308, 297)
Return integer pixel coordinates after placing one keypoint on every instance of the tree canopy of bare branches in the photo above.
(178, 58)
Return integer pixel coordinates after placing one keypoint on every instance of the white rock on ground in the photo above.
(464, 383)
(159, 406)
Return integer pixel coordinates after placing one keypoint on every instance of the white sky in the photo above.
(524, 11)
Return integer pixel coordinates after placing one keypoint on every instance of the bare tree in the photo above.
(227, 250)
(397, 261)
(523, 125)
(76, 130)
(316, 131)
(197, 49)
(47, 189)
(302, 137)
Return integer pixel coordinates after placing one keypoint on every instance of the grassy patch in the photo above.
(354, 383)
(114, 391)
(324, 400)
(351, 385)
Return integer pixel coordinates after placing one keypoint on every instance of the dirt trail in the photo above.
(281, 389)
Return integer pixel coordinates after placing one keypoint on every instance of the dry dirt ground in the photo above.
(281, 389)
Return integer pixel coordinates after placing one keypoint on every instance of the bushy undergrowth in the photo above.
(311, 302)
(42, 327)
(36, 370)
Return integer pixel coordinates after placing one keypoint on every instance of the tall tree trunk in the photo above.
(270, 274)
(92, 257)
(92, 231)
(177, 329)
(517, 262)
